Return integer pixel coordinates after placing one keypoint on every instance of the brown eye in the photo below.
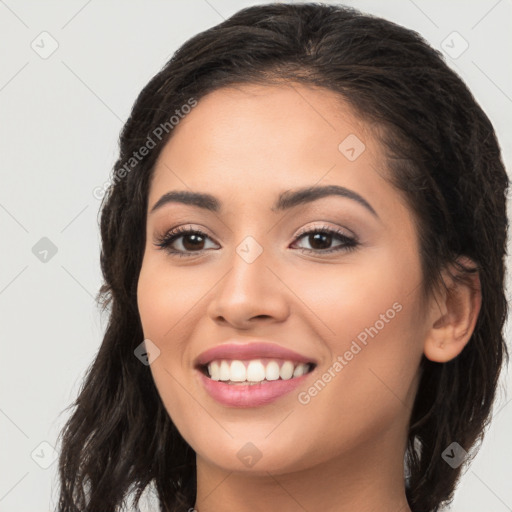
(192, 241)
(321, 239)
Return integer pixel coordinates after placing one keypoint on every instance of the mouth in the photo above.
(254, 371)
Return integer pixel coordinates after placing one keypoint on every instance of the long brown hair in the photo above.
(442, 153)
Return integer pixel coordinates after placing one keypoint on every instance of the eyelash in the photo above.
(349, 244)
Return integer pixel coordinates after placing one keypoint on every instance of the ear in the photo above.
(453, 313)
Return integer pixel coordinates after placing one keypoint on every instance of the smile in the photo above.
(252, 383)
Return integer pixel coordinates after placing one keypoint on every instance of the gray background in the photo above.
(60, 120)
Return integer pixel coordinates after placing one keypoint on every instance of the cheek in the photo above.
(166, 299)
(163, 305)
(370, 316)
(168, 303)
(366, 391)
(345, 299)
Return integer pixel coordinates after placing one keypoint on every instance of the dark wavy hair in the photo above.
(442, 154)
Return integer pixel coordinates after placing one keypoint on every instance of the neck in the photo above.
(367, 479)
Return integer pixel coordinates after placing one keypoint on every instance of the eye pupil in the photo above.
(194, 245)
(318, 236)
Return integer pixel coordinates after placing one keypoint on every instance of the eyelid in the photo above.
(182, 230)
(324, 225)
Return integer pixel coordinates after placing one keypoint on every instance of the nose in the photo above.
(250, 292)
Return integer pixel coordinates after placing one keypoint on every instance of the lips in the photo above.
(253, 350)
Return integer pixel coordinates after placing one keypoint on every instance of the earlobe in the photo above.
(453, 315)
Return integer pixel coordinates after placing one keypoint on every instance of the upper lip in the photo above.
(252, 350)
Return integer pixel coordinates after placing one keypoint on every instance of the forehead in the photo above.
(262, 117)
(255, 140)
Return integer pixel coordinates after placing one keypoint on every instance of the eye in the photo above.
(193, 241)
(323, 236)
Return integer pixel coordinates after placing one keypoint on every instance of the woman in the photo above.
(303, 252)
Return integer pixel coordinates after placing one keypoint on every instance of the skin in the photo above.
(344, 449)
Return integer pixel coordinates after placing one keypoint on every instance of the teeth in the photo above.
(300, 370)
(255, 370)
(237, 373)
(224, 371)
(286, 370)
(272, 371)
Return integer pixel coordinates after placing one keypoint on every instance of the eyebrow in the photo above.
(286, 200)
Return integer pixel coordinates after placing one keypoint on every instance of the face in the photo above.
(333, 278)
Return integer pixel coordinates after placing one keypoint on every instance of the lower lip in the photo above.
(250, 395)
